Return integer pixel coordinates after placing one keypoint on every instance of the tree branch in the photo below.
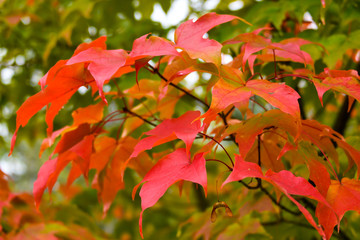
(156, 71)
(125, 109)
(207, 136)
(343, 116)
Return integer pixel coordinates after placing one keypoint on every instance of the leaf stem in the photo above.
(207, 136)
(125, 109)
(275, 64)
(217, 160)
(156, 71)
(257, 73)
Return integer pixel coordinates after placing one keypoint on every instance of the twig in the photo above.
(217, 160)
(277, 203)
(125, 109)
(156, 71)
(207, 136)
(275, 64)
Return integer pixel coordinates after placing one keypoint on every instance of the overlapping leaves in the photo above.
(86, 146)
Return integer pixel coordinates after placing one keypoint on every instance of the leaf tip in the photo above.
(140, 225)
(13, 140)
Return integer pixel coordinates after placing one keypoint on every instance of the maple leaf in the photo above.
(109, 159)
(172, 168)
(272, 120)
(226, 93)
(81, 116)
(342, 196)
(62, 82)
(103, 64)
(144, 49)
(68, 81)
(189, 37)
(288, 49)
(51, 74)
(183, 127)
(323, 137)
(152, 46)
(284, 180)
(344, 81)
(49, 173)
(77, 150)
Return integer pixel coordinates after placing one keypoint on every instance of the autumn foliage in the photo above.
(247, 123)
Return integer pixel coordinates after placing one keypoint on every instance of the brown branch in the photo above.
(273, 199)
(275, 64)
(125, 109)
(217, 160)
(257, 186)
(156, 71)
(207, 136)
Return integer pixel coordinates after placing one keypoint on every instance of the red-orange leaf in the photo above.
(172, 168)
(343, 197)
(340, 80)
(50, 75)
(48, 175)
(152, 46)
(226, 93)
(284, 180)
(247, 131)
(146, 48)
(183, 127)
(189, 37)
(286, 50)
(58, 92)
(103, 64)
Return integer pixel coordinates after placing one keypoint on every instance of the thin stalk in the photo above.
(156, 71)
(217, 160)
(125, 109)
(207, 136)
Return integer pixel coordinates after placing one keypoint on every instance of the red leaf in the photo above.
(183, 127)
(109, 159)
(174, 167)
(71, 138)
(84, 149)
(189, 37)
(277, 94)
(226, 93)
(320, 176)
(97, 43)
(340, 80)
(146, 48)
(152, 46)
(48, 175)
(323, 137)
(80, 149)
(90, 114)
(58, 92)
(253, 43)
(288, 49)
(50, 75)
(343, 197)
(284, 180)
(103, 64)
(247, 131)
